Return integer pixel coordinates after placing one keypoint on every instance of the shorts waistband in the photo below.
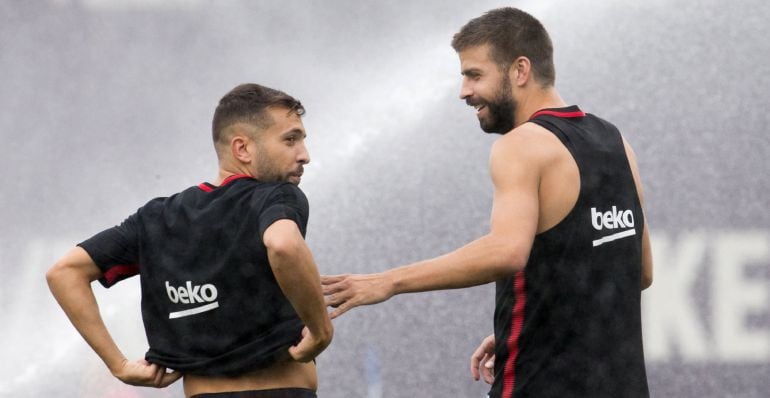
(271, 393)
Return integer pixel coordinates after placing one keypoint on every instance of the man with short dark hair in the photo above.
(231, 296)
(568, 244)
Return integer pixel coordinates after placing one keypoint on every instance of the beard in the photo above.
(269, 170)
(501, 109)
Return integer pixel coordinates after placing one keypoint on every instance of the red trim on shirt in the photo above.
(234, 177)
(517, 322)
(118, 272)
(206, 187)
(577, 113)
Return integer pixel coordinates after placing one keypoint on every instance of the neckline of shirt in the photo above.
(208, 187)
(571, 111)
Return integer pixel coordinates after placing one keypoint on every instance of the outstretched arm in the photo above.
(70, 282)
(503, 251)
(297, 275)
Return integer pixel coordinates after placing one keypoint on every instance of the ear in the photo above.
(520, 71)
(239, 148)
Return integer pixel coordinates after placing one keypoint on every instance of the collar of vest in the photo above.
(566, 112)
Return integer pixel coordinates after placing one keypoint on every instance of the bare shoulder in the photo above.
(531, 143)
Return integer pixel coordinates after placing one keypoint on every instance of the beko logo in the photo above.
(612, 219)
(192, 294)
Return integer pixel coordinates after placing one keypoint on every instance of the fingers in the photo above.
(297, 353)
(169, 378)
(161, 378)
(341, 309)
(475, 360)
(340, 284)
(348, 291)
(334, 300)
(146, 374)
(488, 371)
(157, 376)
(308, 347)
(332, 279)
(483, 360)
(337, 291)
(302, 352)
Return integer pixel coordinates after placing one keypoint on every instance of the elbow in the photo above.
(282, 247)
(506, 254)
(59, 278)
(282, 243)
(56, 273)
(326, 333)
(64, 273)
(512, 260)
(646, 281)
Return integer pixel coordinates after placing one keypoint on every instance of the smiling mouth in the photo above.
(478, 104)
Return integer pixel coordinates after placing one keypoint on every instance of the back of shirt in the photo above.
(569, 324)
(210, 302)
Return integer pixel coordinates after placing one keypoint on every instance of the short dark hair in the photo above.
(247, 103)
(511, 33)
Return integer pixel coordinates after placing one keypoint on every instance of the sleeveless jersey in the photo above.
(210, 302)
(569, 324)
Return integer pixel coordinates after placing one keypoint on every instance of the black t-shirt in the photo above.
(569, 324)
(210, 302)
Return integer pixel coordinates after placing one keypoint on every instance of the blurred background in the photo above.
(106, 104)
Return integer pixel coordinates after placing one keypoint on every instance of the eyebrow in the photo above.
(471, 71)
(294, 132)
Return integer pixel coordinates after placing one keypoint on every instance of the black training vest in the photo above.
(569, 324)
(210, 302)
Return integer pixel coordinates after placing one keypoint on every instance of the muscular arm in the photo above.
(70, 283)
(515, 171)
(646, 248)
(504, 250)
(297, 275)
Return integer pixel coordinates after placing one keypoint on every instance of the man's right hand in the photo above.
(144, 374)
(345, 292)
(309, 347)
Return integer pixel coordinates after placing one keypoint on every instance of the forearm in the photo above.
(73, 292)
(484, 260)
(298, 277)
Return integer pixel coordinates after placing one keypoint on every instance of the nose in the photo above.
(303, 156)
(465, 89)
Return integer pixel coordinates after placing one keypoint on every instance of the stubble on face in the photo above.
(269, 169)
(501, 109)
